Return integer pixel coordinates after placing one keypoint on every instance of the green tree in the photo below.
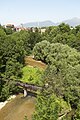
(34, 38)
(41, 50)
(12, 54)
(65, 38)
(63, 72)
(11, 50)
(8, 31)
(77, 28)
(48, 106)
(77, 116)
(4, 92)
(64, 28)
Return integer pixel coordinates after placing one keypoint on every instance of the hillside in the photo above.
(39, 24)
(72, 22)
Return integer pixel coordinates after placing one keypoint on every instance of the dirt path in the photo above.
(30, 61)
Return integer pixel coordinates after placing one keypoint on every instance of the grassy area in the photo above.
(32, 75)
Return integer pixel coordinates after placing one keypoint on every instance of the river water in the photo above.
(18, 108)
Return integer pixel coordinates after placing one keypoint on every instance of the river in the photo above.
(18, 108)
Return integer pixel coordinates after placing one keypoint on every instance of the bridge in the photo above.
(27, 86)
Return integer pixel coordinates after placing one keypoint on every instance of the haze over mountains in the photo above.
(72, 22)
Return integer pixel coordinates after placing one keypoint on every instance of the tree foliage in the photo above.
(13, 48)
(63, 72)
(41, 50)
(64, 34)
(49, 106)
(54, 47)
(12, 53)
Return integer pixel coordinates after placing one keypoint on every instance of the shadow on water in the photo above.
(18, 108)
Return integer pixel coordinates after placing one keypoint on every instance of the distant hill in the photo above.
(72, 22)
(39, 24)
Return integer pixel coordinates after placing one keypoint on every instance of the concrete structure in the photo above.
(43, 30)
(25, 92)
(27, 87)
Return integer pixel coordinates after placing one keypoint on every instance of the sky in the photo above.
(23, 11)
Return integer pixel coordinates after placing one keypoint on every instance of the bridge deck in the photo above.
(29, 86)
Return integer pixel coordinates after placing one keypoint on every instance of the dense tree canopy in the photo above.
(41, 50)
(14, 46)
(64, 34)
(59, 48)
(63, 72)
(49, 107)
(12, 53)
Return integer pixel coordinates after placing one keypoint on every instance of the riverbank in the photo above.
(18, 108)
(2, 104)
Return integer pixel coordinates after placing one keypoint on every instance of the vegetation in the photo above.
(13, 48)
(64, 34)
(32, 75)
(62, 74)
(49, 106)
(25, 118)
(59, 48)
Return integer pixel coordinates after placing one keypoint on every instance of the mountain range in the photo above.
(72, 22)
